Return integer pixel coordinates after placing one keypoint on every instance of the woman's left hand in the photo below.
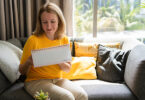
(65, 66)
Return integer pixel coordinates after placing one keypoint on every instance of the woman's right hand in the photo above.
(24, 68)
(30, 61)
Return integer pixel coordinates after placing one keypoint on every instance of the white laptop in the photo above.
(52, 55)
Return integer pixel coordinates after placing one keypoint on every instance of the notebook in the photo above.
(52, 55)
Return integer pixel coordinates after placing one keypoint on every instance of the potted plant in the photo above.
(41, 95)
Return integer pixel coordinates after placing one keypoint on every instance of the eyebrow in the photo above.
(46, 20)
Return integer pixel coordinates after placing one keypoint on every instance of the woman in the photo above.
(49, 32)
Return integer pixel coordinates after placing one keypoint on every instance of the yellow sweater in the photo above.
(44, 72)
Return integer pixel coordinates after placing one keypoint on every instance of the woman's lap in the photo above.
(58, 89)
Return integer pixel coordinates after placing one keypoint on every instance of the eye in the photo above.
(44, 22)
(53, 21)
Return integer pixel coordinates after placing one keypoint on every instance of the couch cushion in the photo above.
(91, 49)
(71, 48)
(16, 42)
(112, 45)
(109, 92)
(82, 68)
(9, 60)
(101, 90)
(111, 64)
(19, 42)
(16, 92)
(86, 49)
(23, 40)
(135, 71)
(4, 82)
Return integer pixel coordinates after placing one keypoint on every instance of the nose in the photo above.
(48, 25)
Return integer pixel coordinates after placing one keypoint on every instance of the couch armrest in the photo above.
(130, 43)
(135, 71)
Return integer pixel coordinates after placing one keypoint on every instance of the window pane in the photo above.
(120, 17)
(83, 17)
(114, 17)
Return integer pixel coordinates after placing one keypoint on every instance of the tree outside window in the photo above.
(113, 16)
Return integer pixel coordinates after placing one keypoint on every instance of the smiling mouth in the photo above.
(48, 30)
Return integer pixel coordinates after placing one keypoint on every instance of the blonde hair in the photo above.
(51, 8)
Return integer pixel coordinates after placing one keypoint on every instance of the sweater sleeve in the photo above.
(29, 45)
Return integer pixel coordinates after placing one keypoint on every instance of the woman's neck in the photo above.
(51, 37)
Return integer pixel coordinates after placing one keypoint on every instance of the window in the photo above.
(83, 17)
(113, 17)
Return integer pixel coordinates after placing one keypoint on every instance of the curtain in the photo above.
(18, 17)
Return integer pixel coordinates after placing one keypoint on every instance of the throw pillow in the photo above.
(71, 47)
(86, 49)
(9, 60)
(90, 49)
(112, 45)
(111, 64)
(15, 42)
(135, 71)
(82, 68)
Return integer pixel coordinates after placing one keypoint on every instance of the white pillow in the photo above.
(10, 56)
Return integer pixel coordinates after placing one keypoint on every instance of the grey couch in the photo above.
(133, 87)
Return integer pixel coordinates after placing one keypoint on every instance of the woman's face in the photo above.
(49, 23)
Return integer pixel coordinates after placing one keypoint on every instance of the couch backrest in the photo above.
(19, 42)
(127, 43)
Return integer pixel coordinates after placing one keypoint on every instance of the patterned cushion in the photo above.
(111, 64)
(86, 49)
(91, 49)
(112, 45)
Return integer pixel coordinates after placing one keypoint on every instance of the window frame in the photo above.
(95, 6)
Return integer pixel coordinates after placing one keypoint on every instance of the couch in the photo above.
(132, 88)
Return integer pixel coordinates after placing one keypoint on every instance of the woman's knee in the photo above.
(67, 96)
(82, 96)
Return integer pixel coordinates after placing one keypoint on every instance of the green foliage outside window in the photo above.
(122, 17)
(83, 17)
